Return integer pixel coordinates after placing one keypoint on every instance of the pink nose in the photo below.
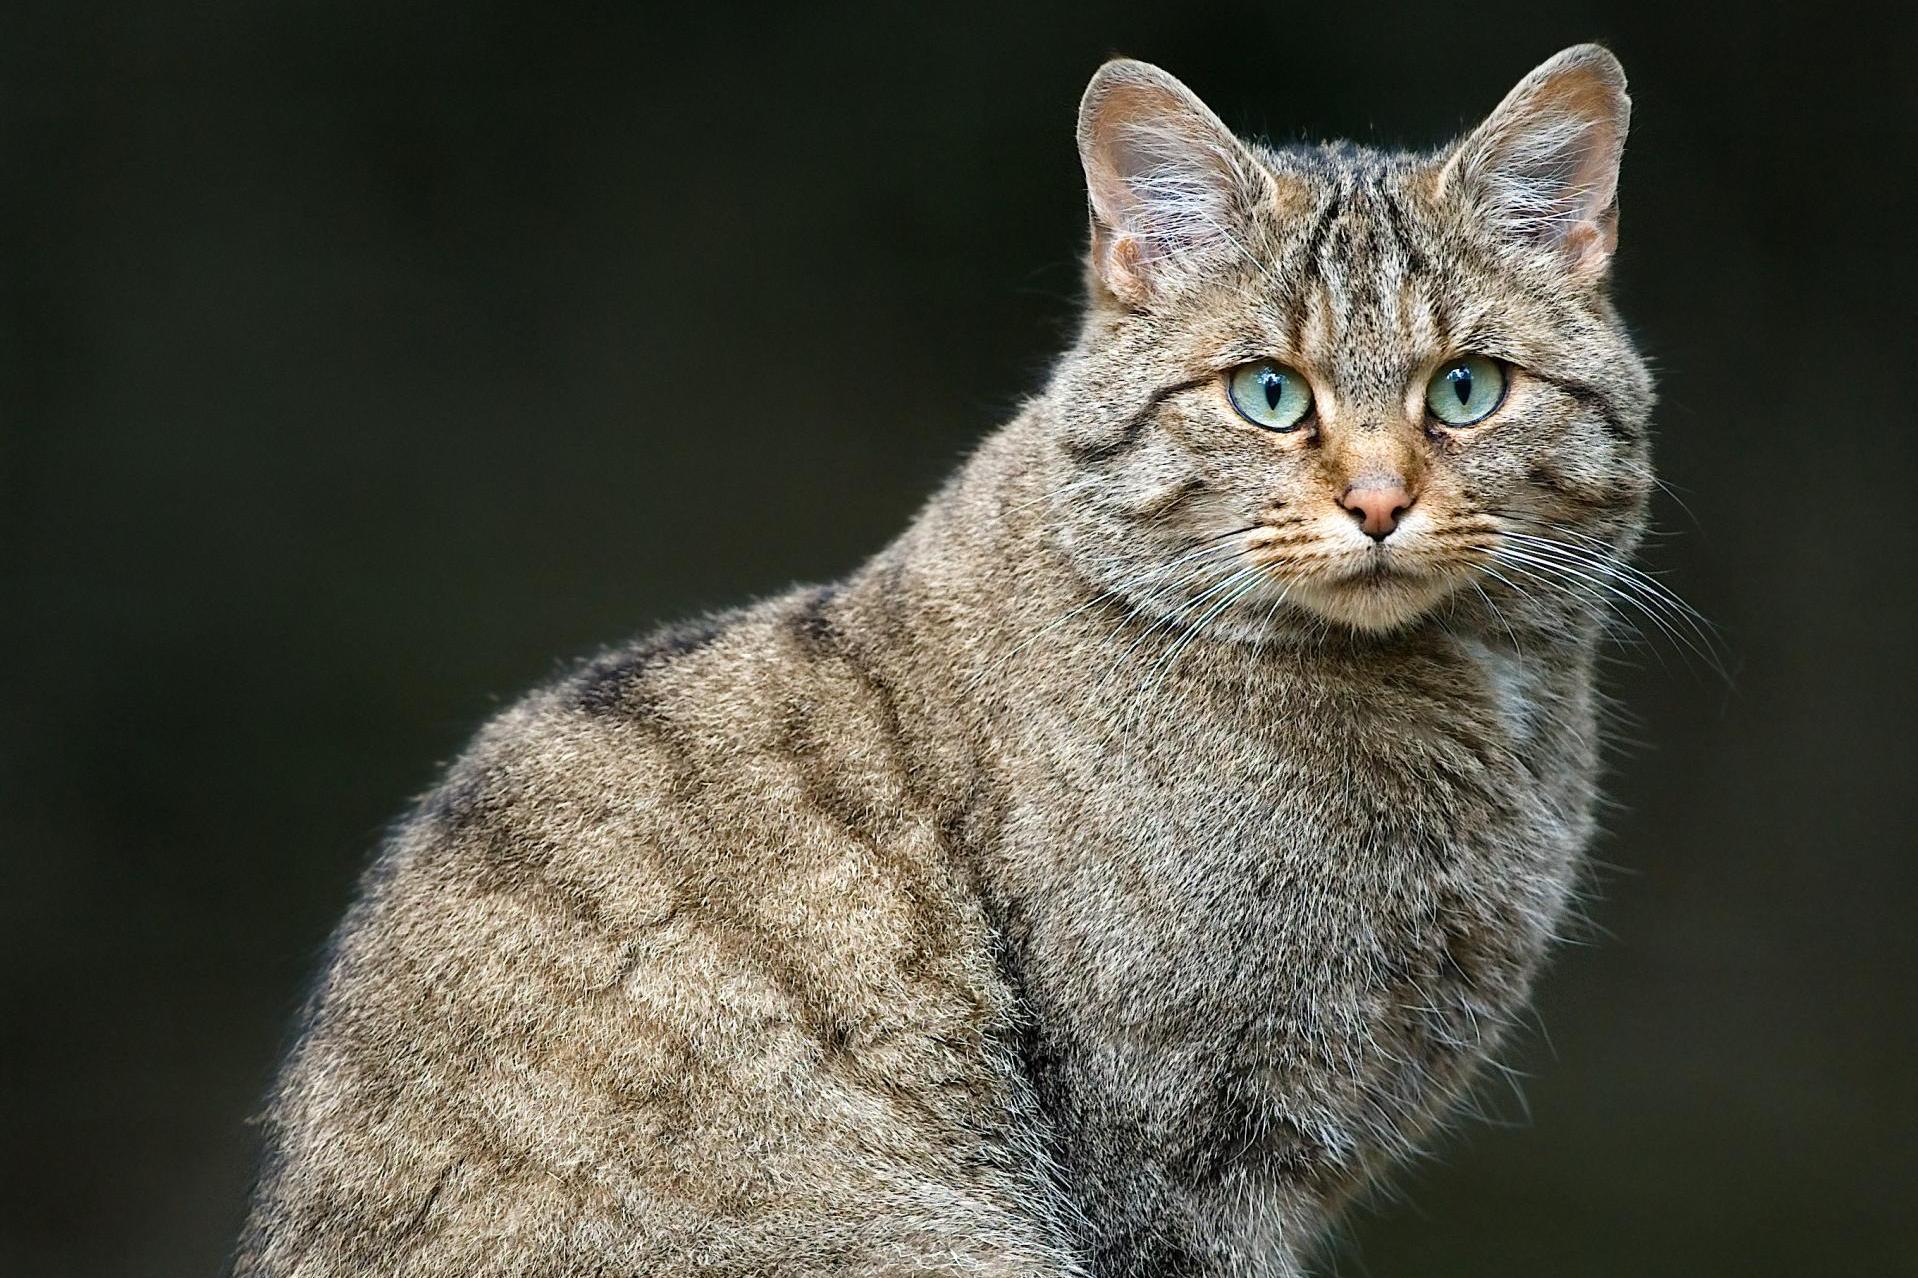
(1378, 505)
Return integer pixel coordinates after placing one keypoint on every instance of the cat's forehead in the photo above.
(1356, 269)
(1333, 165)
(1337, 194)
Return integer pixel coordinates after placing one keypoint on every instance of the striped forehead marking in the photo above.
(1363, 303)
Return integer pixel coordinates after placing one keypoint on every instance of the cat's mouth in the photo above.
(1378, 590)
(1378, 569)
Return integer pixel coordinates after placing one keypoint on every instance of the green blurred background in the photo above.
(364, 360)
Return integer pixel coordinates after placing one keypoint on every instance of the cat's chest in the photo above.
(1295, 804)
(1274, 935)
(1320, 864)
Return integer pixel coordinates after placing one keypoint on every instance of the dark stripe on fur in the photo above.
(1596, 401)
(1595, 498)
(608, 684)
(813, 629)
(1315, 240)
(1415, 263)
(1129, 434)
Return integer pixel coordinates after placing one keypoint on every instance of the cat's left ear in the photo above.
(1544, 166)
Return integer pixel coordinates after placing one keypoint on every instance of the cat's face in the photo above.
(1354, 388)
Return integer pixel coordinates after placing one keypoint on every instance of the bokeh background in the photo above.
(364, 360)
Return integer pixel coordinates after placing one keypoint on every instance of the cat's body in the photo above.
(985, 914)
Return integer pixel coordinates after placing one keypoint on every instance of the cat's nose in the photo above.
(1378, 504)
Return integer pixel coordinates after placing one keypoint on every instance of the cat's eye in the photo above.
(1467, 390)
(1269, 394)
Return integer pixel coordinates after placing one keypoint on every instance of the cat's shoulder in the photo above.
(723, 718)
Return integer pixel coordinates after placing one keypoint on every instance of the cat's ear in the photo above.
(1166, 179)
(1544, 166)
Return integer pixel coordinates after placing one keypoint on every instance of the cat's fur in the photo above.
(1031, 902)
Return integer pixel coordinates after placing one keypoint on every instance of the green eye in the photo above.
(1269, 395)
(1466, 390)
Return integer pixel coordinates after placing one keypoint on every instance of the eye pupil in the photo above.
(1466, 391)
(1269, 395)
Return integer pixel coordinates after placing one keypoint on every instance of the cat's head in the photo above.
(1348, 386)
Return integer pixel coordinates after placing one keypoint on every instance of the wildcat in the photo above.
(1122, 868)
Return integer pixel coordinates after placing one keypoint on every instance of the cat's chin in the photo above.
(1374, 602)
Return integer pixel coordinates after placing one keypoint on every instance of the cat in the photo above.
(1125, 866)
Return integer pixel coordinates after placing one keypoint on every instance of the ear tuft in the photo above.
(1544, 165)
(1166, 179)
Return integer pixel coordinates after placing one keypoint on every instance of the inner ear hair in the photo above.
(1166, 179)
(1543, 167)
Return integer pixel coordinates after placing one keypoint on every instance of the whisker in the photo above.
(1130, 583)
(1234, 588)
(1615, 630)
(1172, 617)
(1608, 590)
(1607, 561)
(1499, 616)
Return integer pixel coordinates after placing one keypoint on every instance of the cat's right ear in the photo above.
(1166, 179)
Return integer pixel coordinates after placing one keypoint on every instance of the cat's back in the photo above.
(675, 944)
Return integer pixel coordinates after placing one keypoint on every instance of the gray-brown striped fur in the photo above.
(1008, 908)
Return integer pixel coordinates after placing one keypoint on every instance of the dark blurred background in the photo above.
(364, 360)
